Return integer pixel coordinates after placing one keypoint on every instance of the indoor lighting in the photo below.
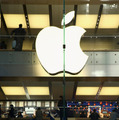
(109, 21)
(13, 20)
(38, 20)
(13, 90)
(38, 90)
(86, 21)
(110, 91)
(87, 90)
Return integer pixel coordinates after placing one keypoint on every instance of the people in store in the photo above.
(19, 37)
(0, 111)
(94, 115)
(12, 112)
(63, 108)
(114, 115)
(83, 115)
(20, 115)
(3, 45)
(39, 115)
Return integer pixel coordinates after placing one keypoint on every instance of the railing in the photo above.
(30, 39)
(86, 36)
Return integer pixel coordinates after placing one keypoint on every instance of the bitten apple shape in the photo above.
(49, 48)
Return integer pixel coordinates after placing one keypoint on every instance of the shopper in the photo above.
(94, 115)
(3, 45)
(61, 105)
(11, 113)
(19, 37)
(83, 115)
(39, 115)
(0, 111)
(113, 115)
(20, 115)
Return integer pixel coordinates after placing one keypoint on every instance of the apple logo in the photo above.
(49, 48)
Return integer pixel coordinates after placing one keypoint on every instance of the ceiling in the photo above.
(69, 2)
(54, 9)
(55, 85)
(98, 17)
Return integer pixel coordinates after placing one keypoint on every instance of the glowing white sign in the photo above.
(49, 48)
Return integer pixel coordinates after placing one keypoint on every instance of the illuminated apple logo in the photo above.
(49, 48)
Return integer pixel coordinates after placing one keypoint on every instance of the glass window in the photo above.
(47, 104)
(7, 105)
(21, 104)
(33, 103)
(13, 103)
(52, 105)
(38, 103)
(26, 103)
(30, 103)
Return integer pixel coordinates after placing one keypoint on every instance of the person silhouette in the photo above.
(114, 115)
(39, 115)
(61, 108)
(19, 37)
(11, 113)
(3, 45)
(0, 111)
(20, 115)
(83, 115)
(94, 115)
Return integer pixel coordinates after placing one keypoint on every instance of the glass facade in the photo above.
(20, 66)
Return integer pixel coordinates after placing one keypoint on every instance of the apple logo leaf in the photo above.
(68, 17)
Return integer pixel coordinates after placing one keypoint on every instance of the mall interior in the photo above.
(26, 84)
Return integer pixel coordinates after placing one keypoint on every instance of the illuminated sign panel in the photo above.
(49, 48)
